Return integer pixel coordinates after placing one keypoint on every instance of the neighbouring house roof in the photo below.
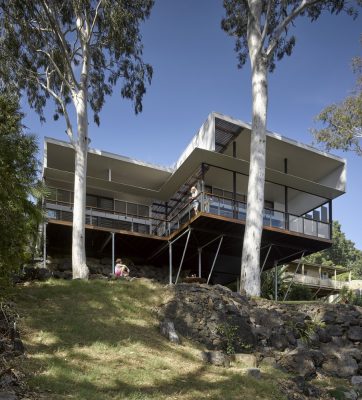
(338, 268)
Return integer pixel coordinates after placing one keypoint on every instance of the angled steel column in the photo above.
(266, 258)
(183, 256)
(296, 270)
(170, 261)
(213, 264)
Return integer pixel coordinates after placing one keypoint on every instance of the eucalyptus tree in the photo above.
(262, 32)
(75, 52)
(342, 122)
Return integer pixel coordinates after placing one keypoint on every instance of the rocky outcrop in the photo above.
(303, 339)
(61, 268)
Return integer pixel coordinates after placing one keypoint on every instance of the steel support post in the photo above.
(183, 256)
(113, 261)
(45, 244)
(276, 281)
(170, 261)
(200, 252)
(286, 215)
(213, 264)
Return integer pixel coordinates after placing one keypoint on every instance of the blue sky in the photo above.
(195, 72)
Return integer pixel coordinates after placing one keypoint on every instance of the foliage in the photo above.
(307, 329)
(74, 52)
(343, 121)
(231, 340)
(349, 296)
(50, 48)
(268, 283)
(274, 31)
(300, 292)
(342, 252)
(19, 215)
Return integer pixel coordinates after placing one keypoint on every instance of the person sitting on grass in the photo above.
(120, 269)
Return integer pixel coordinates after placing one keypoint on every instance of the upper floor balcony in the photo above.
(132, 217)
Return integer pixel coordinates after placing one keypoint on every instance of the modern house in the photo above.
(320, 279)
(144, 211)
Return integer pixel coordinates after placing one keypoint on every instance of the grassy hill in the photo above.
(100, 340)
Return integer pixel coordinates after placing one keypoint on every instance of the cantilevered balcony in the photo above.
(133, 221)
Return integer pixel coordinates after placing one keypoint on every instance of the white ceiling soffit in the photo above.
(189, 167)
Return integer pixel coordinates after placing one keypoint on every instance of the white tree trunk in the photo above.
(250, 265)
(79, 264)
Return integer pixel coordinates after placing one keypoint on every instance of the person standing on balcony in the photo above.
(194, 195)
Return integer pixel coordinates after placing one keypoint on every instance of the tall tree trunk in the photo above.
(250, 265)
(79, 263)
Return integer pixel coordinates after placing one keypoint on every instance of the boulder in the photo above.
(278, 341)
(253, 372)
(167, 329)
(341, 367)
(356, 380)
(298, 362)
(354, 333)
(247, 360)
(216, 358)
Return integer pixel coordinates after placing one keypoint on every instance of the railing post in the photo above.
(330, 220)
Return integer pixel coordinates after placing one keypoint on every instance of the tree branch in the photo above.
(59, 72)
(49, 12)
(266, 24)
(279, 29)
(94, 20)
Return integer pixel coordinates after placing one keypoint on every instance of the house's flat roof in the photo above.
(158, 182)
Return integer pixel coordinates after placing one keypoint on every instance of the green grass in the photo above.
(100, 340)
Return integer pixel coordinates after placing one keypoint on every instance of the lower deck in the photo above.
(206, 245)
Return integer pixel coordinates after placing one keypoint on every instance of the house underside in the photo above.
(144, 211)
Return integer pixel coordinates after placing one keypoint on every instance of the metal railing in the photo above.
(315, 281)
(207, 202)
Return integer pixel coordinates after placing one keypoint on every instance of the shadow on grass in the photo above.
(100, 340)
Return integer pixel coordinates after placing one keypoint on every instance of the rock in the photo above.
(65, 265)
(253, 372)
(342, 367)
(350, 395)
(334, 330)
(356, 380)
(2, 345)
(324, 336)
(8, 396)
(42, 274)
(248, 360)
(268, 362)
(354, 333)
(216, 358)
(167, 329)
(18, 346)
(299, 362)
(277, 341)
